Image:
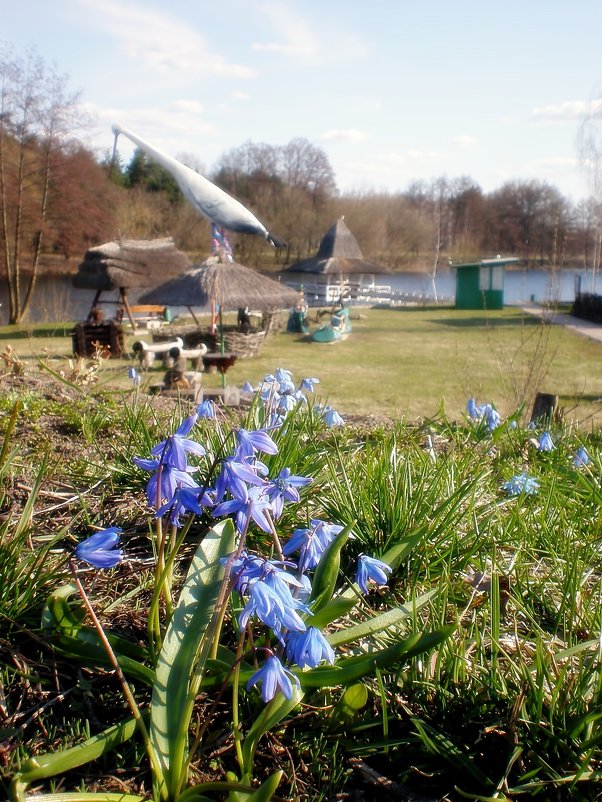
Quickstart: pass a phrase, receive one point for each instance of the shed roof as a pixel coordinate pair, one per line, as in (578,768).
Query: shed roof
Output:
(498,260)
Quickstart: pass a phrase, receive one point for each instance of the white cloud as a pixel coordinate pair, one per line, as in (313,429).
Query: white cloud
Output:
(186,106)
(570,111)
(391,157)
(426,155)
(174,128)
(295,37)
(465,141)
(158,40)
(344,135)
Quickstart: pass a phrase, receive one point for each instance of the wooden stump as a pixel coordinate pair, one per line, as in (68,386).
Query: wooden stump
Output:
(545,407)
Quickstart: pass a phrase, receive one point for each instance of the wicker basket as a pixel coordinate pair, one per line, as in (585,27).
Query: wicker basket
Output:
(244,345)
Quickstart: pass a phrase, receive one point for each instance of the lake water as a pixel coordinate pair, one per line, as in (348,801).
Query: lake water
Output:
(57,299)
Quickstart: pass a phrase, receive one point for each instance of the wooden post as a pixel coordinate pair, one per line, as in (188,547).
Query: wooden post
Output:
(124,298)
(544,407)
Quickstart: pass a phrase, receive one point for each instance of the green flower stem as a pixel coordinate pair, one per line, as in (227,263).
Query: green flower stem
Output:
(224,594)
(235,719)
(275,538)
(164,583)
(202,729)
(127,691)
(154,612)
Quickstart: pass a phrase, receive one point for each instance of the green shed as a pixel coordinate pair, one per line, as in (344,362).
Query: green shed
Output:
(480,285)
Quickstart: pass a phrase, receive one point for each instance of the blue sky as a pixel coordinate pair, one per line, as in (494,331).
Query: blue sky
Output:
(392,91)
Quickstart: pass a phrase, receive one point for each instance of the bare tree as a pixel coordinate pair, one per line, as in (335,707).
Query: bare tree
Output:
(289,185)
(36,117)
(589,146)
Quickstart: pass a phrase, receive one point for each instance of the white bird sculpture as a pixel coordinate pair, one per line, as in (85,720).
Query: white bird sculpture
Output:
(207,198)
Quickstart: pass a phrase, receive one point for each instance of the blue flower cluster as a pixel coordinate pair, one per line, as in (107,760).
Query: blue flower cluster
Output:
(280,396)
(275,591)
(521,483)
(487,415)
(483,413)
(278,599)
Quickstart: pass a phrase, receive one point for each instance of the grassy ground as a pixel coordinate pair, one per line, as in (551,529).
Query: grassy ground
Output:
(406,362)
(506,706)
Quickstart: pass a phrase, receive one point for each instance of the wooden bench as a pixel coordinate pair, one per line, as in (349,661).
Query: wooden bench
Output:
(150,315)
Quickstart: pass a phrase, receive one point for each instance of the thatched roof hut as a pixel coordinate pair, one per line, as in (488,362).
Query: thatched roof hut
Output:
(338,254)
(130,264)
(229,284)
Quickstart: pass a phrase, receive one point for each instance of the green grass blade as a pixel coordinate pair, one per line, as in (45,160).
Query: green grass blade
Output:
(42,767)
(390,618)
(350,669)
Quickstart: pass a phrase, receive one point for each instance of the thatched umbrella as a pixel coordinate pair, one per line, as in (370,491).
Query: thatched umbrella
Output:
(227,284)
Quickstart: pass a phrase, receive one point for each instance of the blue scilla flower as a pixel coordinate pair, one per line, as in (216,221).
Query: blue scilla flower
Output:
(185,499)
(247,392)
(271,609)
(285,404)
(174,448)
(249,442)
(284,488)
(284,381)
(206,409)
(545,442)
(245,569)
(274,677)
(581,458)
(331,417)
(491,417)
(100,549)
(161,491)
(369,569)
(275,575)
(255,507)
(278,393)
(308,545)
(309,648)
(311,543)
(521,483)
(234,477)
(307,384)
(471,408)
(325,531)
(485,413)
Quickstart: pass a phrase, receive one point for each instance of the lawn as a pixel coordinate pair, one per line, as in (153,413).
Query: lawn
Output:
(407,362)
